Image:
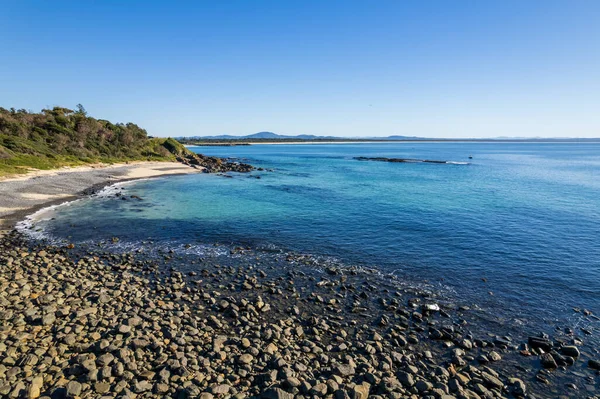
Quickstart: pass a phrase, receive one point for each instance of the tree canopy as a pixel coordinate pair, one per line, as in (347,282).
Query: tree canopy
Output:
(61,136)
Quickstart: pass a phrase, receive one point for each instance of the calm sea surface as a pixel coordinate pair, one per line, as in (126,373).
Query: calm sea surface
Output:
(516,231)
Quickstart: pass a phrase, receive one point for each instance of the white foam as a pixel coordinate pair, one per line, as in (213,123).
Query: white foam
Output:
(27,226)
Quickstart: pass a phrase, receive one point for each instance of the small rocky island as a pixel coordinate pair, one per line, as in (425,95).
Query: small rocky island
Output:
(403,160)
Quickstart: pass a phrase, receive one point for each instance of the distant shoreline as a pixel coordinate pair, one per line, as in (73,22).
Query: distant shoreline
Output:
(217,143)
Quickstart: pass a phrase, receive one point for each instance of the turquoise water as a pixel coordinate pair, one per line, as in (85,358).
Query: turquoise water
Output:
(516,231)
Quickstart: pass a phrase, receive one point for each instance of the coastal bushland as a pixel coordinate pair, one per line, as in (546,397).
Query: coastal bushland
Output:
(64,137)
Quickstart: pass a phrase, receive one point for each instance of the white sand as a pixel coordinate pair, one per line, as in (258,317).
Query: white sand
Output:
(38,196)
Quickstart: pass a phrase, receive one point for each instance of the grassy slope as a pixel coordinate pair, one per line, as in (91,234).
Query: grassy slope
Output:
(12,162)
(60,137)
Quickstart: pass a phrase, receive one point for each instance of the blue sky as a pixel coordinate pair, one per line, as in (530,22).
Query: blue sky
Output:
(345,68)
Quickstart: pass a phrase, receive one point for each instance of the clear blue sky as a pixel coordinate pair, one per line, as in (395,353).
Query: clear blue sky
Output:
(477,68)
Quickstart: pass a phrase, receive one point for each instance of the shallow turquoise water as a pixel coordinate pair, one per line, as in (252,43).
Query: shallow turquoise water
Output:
(525,217)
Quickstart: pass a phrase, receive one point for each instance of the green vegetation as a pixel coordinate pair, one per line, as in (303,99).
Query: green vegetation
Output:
(63,137)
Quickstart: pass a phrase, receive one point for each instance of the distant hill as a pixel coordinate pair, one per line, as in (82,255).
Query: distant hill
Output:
(275,136)
(266,137)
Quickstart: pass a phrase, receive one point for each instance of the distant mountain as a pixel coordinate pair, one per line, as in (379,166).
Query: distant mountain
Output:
(263,135)
(275,136)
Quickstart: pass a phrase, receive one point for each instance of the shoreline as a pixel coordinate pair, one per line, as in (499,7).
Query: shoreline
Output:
(281,330)
(26,194)
(34,173)
(350,334)
(433,141)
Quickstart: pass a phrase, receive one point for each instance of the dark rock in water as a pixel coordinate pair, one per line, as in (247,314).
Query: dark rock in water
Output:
(517,387)
(399,160)
(570,350)
(494,356)
(502,342)
(561,360)
(548,361)
(594,364)
(430,307)
(542,343)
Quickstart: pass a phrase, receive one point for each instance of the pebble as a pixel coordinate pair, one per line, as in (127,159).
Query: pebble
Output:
(74,388)
(103,326)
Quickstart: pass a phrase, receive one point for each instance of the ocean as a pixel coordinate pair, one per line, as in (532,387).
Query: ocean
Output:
(510,229)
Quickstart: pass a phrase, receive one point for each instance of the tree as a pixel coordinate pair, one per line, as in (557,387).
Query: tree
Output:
(80,110)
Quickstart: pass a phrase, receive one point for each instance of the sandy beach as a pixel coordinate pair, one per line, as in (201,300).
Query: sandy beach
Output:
(23,194)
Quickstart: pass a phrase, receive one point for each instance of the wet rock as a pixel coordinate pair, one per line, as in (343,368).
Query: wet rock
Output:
(542,343)
(517,387)
(594,364)
(571,350)
(431,307)
(548,361)
(466,344)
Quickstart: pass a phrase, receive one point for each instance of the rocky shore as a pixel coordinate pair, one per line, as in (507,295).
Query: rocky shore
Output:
(81,323)
(213,164)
